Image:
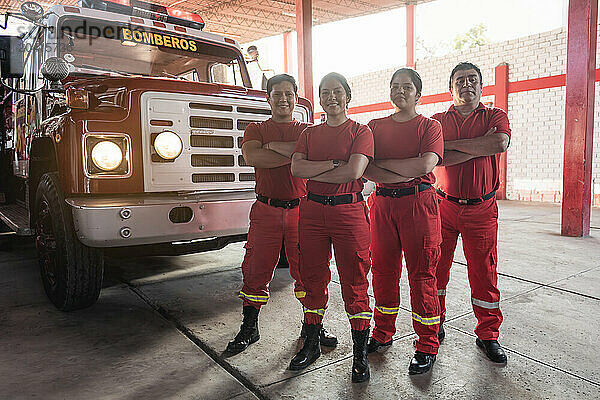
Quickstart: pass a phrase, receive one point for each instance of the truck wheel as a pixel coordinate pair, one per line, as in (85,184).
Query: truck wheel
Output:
(71,272)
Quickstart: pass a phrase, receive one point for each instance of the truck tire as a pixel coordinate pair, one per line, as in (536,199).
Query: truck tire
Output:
(71,272)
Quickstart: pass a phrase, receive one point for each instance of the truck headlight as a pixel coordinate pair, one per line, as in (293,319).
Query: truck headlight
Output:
(168,145)
(106,155)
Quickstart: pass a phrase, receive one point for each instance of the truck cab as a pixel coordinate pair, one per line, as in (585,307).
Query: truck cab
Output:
(123,135)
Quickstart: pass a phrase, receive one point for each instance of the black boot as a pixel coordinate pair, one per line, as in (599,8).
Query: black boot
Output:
(375,345)
(248,333)
(360,362)
(492,350)
(326,338)
(311,349)
(441,333)
(421,363)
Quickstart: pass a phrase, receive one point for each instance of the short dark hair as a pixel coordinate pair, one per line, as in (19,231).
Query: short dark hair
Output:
(250,48)
(341,79)
(414,77)
(274,80)
(462,66)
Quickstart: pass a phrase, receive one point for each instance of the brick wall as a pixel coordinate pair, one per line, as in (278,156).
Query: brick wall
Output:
(535,156)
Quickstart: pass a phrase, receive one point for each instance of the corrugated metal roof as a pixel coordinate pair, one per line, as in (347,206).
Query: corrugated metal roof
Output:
(248,20)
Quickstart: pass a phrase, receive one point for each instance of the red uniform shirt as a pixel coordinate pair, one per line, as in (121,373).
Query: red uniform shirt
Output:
(324,142)
(399,140)
(478,176)
(276,183)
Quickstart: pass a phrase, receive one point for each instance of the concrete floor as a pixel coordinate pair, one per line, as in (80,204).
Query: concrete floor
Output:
(162,323)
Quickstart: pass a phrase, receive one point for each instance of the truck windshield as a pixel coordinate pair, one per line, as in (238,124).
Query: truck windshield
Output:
(103,47)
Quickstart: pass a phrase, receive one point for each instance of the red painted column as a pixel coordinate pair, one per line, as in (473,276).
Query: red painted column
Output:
(287,52)
(501,101)
(304,32)
(410,35)
(579,117)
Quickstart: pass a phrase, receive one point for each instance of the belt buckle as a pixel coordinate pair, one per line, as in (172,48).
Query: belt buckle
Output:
(394,193)
(287,205)
(462,201)
(329,201)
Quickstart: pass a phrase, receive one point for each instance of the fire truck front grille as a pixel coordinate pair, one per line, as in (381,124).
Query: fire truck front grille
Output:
(199,178)
(207,106)
(213,123)
(246,177)
(211,129)
(211,141)
(243,123)
(208,160)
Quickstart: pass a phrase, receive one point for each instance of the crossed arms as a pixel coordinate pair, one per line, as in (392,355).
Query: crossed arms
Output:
(270,155)
(401,170)
(461,150)
(324,171)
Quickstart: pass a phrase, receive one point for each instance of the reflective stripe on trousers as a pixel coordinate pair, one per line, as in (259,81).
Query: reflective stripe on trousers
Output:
(249,297)
(388,310)
(424,320)
(319,311)
(485,304)
(363,315)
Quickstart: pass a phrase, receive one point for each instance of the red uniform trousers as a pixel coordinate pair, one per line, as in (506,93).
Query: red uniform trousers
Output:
(409,224)
(269,226)
(478,226)
(346,226)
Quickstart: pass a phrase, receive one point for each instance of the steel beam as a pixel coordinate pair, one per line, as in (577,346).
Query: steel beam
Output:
(287,53)
(501,101)
(579,117)
(410,35)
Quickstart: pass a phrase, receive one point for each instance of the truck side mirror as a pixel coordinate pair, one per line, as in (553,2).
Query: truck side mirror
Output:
(12,63)
(32,11)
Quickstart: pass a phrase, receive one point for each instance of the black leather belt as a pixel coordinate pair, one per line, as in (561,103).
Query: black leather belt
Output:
(336,200)
(466,201)
(379,191)
(287,204)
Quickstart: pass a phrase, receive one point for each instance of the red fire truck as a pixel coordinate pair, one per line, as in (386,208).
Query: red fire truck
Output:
(121,130)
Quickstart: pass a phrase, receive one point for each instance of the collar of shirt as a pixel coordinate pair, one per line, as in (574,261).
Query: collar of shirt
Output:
(480,107)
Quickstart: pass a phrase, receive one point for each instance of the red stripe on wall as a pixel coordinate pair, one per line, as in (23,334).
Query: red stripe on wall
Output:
(536,84)
(371,107)
(435,98)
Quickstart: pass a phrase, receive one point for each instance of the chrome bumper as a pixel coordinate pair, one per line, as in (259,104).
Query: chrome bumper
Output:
(144,219)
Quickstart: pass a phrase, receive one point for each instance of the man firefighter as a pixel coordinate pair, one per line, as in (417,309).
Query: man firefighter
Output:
(474,137)
(267,146)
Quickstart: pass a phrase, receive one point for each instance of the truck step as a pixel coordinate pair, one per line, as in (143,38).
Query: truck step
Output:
(16,218)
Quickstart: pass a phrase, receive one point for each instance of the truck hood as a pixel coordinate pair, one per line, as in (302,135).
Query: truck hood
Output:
(99,84)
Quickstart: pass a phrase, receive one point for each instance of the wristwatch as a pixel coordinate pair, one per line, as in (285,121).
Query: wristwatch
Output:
(336,163)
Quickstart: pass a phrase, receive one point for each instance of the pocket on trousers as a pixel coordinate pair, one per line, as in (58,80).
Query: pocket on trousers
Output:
(363,265)
(248,263)
(494,258)
(301,267)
